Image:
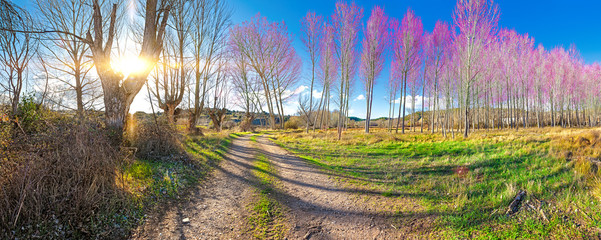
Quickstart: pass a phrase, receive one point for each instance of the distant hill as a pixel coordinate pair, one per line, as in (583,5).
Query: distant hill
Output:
(356,119)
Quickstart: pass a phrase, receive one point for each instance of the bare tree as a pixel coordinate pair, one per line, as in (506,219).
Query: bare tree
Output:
(210,23)
(173,71)
(11,16)
(312,28)
(220,93)
(16,51)
(119,91)
(286,75)
(246,87)
(65,54)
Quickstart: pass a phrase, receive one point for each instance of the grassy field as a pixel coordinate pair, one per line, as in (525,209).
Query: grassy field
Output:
(463,187)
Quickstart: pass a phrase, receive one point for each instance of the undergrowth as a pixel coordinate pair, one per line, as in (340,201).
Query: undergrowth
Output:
(61,177)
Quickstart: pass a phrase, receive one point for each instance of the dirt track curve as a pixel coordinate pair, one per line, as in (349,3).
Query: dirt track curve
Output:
(316,206)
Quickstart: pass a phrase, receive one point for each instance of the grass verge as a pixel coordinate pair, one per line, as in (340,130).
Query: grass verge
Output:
(266,220)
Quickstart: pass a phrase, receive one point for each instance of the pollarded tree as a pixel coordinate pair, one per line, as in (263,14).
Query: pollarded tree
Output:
(346,21)
(173,71)
(220,95)
(476,21)
(312,28)
(374,44)
(406,49)
(209,30)
(119,91)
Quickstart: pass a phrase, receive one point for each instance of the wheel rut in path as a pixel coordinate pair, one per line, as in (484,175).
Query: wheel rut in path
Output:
(215,209)
(318,207)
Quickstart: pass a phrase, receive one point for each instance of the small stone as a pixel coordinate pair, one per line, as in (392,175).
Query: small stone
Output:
(186,220)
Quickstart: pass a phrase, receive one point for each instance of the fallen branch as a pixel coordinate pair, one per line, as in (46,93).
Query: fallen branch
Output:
(514,207)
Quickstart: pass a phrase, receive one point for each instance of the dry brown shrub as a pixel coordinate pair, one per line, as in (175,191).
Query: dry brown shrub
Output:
(155,140)
(59,177)
(293,123)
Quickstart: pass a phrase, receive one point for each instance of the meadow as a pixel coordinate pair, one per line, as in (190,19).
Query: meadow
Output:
(461,188)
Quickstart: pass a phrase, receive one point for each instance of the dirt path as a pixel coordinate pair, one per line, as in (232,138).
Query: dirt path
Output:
(216,208)
(316,206)
(319,208)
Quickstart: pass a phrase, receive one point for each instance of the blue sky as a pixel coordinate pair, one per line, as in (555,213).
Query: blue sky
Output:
(552,23)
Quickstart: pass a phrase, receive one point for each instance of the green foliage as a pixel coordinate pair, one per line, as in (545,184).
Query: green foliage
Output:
(28,114)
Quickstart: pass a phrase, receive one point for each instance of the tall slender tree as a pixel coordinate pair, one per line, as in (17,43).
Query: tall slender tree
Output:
(476,21)
(374,44)
(406,49)
(346,21)
(312,28)
(328,67)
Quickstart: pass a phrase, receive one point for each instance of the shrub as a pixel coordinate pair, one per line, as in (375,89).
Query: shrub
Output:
(293,123)
(62,173)
(155,140)
(28,115)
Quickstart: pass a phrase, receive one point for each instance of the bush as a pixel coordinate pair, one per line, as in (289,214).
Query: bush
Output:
(293,123)
(155,140)
(62,173)
(28,115)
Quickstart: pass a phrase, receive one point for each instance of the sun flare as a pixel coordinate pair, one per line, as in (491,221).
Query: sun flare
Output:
(129,64)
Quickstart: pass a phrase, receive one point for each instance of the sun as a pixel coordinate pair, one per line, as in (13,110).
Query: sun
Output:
(129,65)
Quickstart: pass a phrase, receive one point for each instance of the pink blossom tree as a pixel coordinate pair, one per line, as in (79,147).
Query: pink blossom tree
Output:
(406,50)
(476,21)
(393,89)
(438,52)
(346,21)
(267,48)
(374,44)
(312,28)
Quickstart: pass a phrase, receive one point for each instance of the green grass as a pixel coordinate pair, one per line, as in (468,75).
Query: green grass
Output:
(426,170)
(266,218)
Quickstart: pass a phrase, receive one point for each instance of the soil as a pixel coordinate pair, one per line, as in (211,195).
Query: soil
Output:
(215,209)
(316,205)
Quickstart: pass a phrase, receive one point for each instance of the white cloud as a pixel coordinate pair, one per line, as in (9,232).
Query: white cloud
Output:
(418,102)
(317,94)
(300,89)
(359,98)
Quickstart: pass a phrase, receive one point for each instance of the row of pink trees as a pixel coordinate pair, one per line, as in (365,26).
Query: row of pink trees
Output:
(470,74)
(476,75)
